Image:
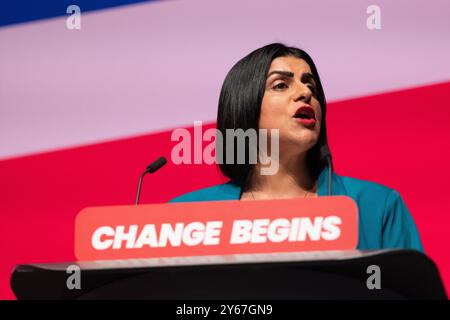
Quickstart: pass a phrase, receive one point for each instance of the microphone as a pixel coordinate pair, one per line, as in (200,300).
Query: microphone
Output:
(325,151)
(151,168)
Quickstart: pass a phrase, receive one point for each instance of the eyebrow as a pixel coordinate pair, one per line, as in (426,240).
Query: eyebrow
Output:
(283,73)
(307,76)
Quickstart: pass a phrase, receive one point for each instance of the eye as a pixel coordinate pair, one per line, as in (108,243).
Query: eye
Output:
(280,86)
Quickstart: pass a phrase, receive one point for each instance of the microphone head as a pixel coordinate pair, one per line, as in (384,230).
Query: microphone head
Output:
(156,165)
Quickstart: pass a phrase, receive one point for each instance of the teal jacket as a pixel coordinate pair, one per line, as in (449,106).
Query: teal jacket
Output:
(384,219)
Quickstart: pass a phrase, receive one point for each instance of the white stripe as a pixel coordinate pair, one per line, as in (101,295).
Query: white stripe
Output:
(148,67)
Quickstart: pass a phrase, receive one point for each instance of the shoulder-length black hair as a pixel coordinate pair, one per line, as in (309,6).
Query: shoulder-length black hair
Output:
(240,106)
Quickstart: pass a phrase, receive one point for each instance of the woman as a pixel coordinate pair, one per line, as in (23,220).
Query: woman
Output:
(278,87)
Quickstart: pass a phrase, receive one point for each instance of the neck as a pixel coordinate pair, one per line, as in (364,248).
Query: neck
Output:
(293,179)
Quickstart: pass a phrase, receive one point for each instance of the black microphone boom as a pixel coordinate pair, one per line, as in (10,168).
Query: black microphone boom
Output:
(151,168)
(325,151)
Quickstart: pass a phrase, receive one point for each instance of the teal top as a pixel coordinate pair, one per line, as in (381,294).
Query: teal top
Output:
(384,219)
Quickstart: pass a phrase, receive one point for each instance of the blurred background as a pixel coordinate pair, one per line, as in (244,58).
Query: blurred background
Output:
(83,111)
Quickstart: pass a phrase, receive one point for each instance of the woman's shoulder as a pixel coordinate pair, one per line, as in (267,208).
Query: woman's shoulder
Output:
(385,219)
(356,187)
(373,194)
(224,191)
(375,200)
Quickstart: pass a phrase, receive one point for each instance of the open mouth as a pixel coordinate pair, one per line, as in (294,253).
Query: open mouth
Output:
(305,112)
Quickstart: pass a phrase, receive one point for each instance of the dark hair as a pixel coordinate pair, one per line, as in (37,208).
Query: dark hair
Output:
(240,105)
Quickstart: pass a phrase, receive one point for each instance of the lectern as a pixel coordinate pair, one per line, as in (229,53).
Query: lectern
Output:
(403,274)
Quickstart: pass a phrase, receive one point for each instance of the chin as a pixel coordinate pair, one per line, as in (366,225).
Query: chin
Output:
(307,137)
(305,141)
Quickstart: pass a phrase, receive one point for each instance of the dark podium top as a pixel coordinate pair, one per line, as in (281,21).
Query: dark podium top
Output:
(404,274)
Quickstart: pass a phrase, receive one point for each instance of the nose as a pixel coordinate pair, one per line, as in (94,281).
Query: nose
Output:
(302,93)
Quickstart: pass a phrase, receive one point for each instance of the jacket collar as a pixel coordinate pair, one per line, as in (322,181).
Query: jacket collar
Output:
(338,187)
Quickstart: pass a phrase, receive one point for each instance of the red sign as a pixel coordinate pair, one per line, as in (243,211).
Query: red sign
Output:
(216,228)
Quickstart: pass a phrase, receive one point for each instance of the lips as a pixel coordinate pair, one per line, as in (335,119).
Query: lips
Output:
(305,112)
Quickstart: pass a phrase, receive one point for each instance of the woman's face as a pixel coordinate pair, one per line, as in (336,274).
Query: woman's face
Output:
(290,104)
